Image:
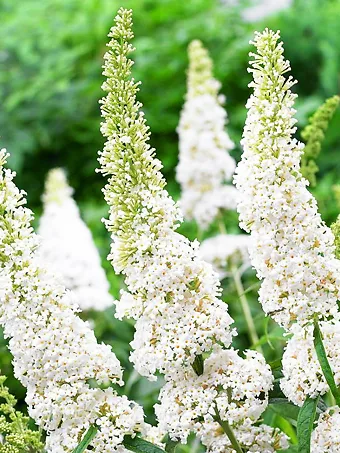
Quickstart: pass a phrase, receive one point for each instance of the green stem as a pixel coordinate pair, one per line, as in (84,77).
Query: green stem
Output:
(134,376)
(324,363)
(246,309)
(221,224)
(228,431)
(195,447)
(199,234)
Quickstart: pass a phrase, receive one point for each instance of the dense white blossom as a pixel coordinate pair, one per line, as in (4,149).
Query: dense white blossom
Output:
(154,434)
(55,353)
(182,326)
(300,366)
(292,248)
(204,162)
(252,438)
(172,293)
(326,436)
(226,252)
(237,387)
(68,248)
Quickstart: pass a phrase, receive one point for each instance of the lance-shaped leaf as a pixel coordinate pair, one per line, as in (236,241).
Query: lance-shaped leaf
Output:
(139,445)
(305,424)
(86,440)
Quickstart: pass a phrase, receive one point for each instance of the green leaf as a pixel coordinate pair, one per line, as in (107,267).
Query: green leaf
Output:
(198,365)
(291,449)
(305,424)
(323,360)
(284,408)
(139,445)
(171,445)
(88,436)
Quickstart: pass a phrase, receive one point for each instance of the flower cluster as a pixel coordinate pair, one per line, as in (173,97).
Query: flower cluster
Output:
(232,388)
(326,436)
(226,252)
(171,292)
(253,438)
(301,369)
(292,248)
(55,353)
(67,246)
(204,162)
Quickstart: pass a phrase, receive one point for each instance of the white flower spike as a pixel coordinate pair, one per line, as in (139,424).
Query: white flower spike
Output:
(205,165)
(173,294)
(67,246)
(292,249)
(55,353)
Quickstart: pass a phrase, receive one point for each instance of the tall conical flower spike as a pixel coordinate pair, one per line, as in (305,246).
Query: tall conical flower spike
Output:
(173,294)
(68,248)
(293,249)
(55,353)
(205,165)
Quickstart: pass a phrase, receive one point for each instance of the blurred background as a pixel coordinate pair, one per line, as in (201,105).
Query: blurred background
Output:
(50,82)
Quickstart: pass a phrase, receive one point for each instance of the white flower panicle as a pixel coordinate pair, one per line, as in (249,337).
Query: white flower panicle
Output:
(326,436)
(55,354)
(226,252)
(173,294)
(292,248)
(302,372)
(205,165)
(237,387)
(68,248)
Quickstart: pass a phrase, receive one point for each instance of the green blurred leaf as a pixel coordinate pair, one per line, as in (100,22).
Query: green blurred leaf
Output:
(284,408)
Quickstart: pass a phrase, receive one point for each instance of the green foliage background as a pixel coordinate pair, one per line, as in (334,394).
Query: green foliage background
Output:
(50,76)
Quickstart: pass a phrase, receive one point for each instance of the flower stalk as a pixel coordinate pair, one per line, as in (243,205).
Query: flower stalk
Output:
(228,431)
(251,328)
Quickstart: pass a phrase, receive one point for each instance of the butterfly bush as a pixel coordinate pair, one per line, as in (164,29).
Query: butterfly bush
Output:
(171,293)
(67,245)
(55,353)
(205,165)
(292,248)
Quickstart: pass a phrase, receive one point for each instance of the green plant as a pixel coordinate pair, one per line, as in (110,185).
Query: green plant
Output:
(17,436)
